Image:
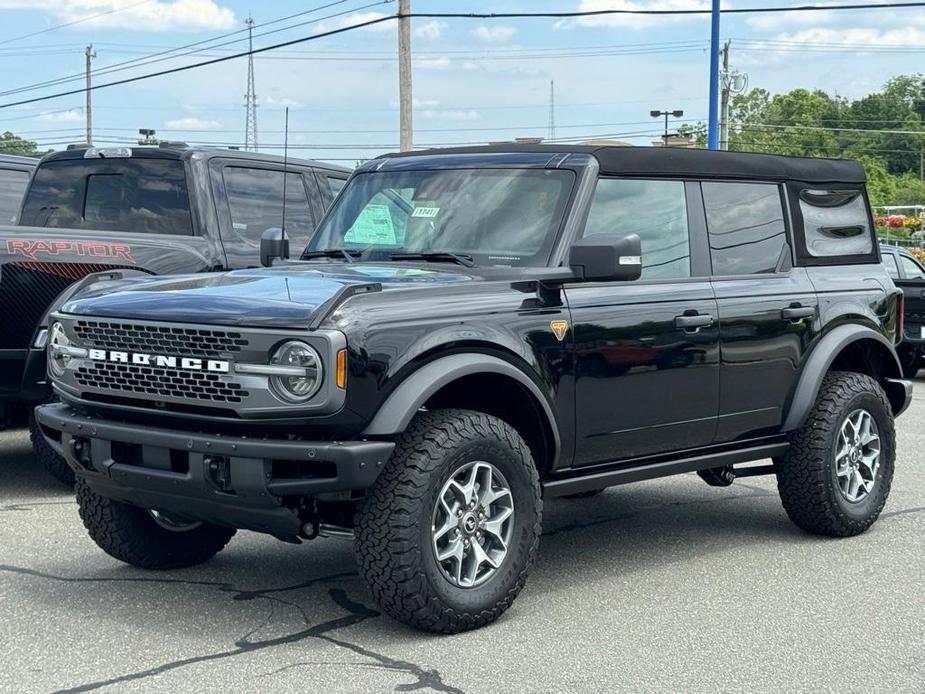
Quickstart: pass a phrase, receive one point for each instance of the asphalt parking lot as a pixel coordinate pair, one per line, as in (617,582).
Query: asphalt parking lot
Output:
(662,586)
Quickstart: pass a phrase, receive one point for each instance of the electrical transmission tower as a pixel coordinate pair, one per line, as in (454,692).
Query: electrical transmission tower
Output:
(250,99)
(552,111)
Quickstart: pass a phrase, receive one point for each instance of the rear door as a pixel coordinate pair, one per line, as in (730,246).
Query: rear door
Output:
(767,308)
(249,200)
(646,352)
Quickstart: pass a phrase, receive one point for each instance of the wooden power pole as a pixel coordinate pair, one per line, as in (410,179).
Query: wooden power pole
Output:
(90,55)
(404,75)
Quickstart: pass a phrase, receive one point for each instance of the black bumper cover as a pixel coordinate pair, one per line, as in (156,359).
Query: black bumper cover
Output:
(170,470)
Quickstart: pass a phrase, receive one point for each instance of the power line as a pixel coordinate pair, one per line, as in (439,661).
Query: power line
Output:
(115,10)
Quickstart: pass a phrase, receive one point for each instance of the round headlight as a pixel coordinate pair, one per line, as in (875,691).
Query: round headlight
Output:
(305,380)
(57,358)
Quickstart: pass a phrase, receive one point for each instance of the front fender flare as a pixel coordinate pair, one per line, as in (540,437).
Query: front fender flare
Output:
(820,361)
(399,408)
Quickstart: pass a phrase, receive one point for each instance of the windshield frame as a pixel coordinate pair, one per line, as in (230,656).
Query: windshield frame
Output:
(547,250)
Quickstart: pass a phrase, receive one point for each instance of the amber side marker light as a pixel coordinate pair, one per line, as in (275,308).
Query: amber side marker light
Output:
(341,371)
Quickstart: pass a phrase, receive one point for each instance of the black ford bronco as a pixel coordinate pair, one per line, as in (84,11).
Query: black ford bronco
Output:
(160,210)
(471,331)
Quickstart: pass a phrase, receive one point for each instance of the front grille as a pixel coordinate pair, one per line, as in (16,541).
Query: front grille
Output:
(159,339)
(151,380)
(27,289)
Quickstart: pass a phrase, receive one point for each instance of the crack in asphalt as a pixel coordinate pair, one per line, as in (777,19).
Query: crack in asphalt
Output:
(30,506)
(903,511)
(357,612)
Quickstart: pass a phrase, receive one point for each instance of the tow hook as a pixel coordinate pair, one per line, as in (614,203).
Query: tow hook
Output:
(718,476)
(218,472)
(81,449)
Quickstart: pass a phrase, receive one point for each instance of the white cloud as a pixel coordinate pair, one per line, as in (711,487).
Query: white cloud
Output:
(437,63)
(284,102)
(156,15)
(857,37)
(191,123)
(431,30)
(783,20)
(354,19)
(634,21)
(75,115)
(451,114)
(493,34)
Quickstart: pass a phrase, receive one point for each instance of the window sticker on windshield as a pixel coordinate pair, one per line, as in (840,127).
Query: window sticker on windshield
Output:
(239,226)
(426,212)
(372,226)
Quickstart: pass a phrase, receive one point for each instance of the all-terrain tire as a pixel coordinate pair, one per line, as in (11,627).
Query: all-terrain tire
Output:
(393,540)
(53,463)
(806,476)
(130,534)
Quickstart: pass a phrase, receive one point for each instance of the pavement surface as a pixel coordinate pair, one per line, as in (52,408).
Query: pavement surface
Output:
(668,585)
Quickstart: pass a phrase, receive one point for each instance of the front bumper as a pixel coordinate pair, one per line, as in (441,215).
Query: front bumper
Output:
(228,480)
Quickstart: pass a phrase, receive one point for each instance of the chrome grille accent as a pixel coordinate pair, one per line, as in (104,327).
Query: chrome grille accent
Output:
(150,380)
(159,339)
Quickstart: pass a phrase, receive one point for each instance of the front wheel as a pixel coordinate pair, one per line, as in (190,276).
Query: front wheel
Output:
(447,535)
(148,539)
(836,476)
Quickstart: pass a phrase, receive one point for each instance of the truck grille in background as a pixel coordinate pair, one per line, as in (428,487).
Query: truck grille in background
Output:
(28,289)
(151,339)
(150,380)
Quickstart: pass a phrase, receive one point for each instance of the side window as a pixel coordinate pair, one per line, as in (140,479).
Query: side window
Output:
(835,223)
(255,200)
(12,186)
(335,184)
(746,227)
(911,268)
(889,262)
(656,211)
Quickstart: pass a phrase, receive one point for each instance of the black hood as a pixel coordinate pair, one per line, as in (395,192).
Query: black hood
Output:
(284,296)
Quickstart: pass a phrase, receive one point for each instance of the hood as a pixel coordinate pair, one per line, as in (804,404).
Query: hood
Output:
(284,296)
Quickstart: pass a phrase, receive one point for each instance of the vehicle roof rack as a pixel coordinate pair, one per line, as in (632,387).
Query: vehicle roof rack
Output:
(78,145)
(164,144)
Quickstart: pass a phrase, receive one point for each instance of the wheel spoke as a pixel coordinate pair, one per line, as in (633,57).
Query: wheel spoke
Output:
(448,525)
(453,550)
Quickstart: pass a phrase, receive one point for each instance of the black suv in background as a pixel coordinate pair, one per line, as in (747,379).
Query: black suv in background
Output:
(156,210)
(471,331)
(909,275)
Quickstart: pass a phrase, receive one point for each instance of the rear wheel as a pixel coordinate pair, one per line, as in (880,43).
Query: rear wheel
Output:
(447,534)
(53,463)
(148,539)
(835,478)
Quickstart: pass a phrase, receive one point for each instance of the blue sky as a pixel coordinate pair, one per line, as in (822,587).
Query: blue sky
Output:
(474,81)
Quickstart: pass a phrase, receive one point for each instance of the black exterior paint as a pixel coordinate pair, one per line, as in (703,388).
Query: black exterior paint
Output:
(628,385)
(37,264)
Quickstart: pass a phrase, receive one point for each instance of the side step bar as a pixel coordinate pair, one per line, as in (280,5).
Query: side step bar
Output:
(577,482)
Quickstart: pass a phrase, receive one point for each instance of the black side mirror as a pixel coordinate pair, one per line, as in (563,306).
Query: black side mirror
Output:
(603,258)
(273,244)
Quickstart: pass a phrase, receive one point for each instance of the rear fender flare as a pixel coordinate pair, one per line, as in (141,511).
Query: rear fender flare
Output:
(820,361)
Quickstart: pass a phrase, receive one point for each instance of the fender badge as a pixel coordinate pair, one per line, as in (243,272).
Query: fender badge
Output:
(559,328)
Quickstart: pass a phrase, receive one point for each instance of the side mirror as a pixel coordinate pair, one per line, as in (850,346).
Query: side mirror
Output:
(603,258)
(273,244)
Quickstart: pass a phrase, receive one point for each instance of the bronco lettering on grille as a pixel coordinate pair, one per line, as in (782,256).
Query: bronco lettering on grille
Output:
(161,361)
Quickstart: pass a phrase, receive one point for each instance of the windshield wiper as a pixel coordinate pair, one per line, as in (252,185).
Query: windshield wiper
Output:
(346,253)
(436,257)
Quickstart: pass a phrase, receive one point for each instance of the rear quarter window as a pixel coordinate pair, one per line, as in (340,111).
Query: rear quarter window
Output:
(835,225)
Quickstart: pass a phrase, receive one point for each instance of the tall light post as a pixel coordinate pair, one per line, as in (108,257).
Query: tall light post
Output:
(659,114)
(713,130)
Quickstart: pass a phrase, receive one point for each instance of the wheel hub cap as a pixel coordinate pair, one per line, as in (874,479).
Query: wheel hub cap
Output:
(473,522)
(857,456)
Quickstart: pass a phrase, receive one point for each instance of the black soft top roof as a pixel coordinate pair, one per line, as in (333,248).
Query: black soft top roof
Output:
(677,161)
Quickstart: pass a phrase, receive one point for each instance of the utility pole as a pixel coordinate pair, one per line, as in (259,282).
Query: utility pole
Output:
(724,101)
(90,55)
(404,76)
(713,128)
(552,111)
(250,99)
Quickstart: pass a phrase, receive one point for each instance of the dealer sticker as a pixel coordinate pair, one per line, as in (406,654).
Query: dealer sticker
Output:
(426,212)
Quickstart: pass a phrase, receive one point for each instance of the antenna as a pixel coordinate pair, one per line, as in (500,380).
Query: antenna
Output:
(250,99)
(285,169)
(552,111)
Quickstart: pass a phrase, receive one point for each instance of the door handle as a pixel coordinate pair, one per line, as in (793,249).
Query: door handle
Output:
(693,322)
(798,313)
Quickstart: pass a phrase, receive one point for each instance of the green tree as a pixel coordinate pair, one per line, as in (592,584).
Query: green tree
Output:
(13,144)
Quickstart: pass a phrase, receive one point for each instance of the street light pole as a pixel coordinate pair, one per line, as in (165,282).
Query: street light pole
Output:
(713,139)
(658,114)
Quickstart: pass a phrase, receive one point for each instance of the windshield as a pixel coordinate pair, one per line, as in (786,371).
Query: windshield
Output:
(495,216)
